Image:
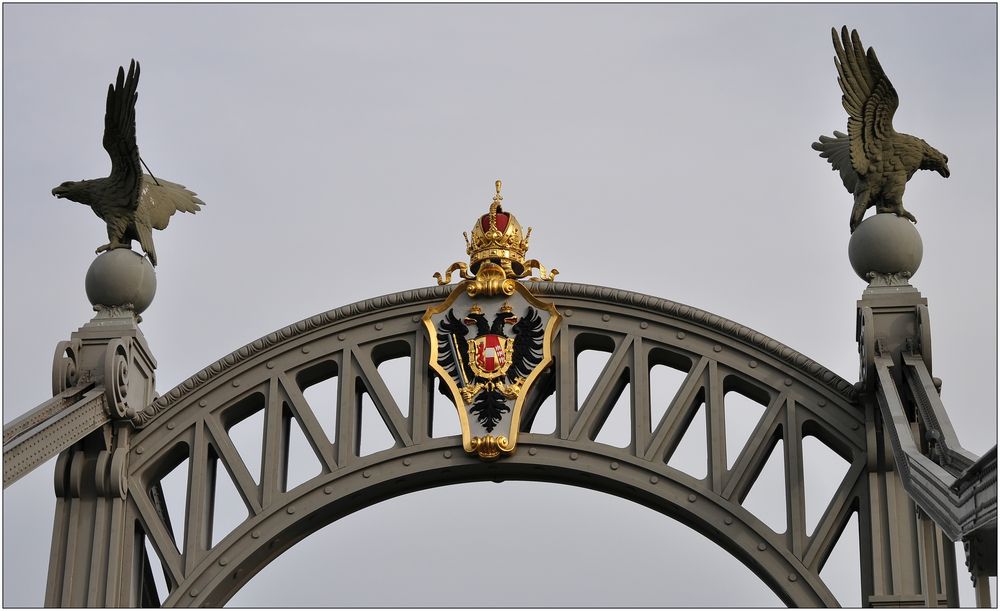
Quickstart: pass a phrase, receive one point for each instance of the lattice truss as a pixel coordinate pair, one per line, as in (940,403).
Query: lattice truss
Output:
(695,416)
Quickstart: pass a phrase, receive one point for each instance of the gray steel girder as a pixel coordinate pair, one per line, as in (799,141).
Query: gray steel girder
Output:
(191,423)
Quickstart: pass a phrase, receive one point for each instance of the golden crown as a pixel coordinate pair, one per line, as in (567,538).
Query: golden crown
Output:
(497,237)
(497,249)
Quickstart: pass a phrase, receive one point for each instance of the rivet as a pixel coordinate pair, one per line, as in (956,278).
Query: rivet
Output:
(171,426)
(573,456)
(202,403)
(366,474)
(223,561)
(614,466)
(305,350)
(822,402)
(855,426)
(291,509)
(415,318)
(606,317)
(788,381)
(236,383)
(139,450)
(792,577)
(195,592)
(717,348)
(692,498)
(532,451)
(378,326)
(653,479)
(269,364)
(328,490)
(681,335)
(753,364)
(340,336)
(255,534)
(727,521)
(761,547)
(643,325)
(406,462)
(447,453)
(568,312)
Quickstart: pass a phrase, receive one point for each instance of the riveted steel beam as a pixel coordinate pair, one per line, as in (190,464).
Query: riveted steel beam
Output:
(349,343)
(50,428)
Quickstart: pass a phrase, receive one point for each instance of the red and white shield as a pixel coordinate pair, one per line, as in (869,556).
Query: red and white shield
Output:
(490,356)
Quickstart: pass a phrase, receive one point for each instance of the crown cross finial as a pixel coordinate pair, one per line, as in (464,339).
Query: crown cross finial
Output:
(495,206)
(496,244)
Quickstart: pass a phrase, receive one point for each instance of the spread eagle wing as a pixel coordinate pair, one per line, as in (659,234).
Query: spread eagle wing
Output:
(163,198)
(869,99)
(837,151)
(119,140)
(528,334)
(451,340)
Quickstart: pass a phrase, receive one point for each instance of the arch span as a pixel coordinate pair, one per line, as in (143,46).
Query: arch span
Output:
(192,422)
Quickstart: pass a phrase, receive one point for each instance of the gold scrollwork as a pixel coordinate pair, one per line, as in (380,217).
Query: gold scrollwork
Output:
(509,391)
(491,279)
(458,265)
(490,447)
(543,275)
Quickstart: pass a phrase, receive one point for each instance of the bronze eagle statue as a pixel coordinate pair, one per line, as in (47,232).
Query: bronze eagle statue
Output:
(874,160)
(130,202)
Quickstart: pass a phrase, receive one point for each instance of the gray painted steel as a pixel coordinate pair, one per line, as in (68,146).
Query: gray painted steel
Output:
(109,498)
(638,330)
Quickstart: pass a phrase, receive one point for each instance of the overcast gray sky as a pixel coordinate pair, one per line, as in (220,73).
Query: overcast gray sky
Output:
(343,149)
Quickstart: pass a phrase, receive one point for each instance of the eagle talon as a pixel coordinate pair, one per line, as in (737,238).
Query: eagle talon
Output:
(112,246)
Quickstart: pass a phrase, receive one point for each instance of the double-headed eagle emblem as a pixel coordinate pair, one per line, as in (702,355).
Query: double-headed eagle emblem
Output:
(492,366)
(491,337)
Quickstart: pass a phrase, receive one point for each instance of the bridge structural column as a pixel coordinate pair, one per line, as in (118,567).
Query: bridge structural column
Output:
(906,559)
(93,560)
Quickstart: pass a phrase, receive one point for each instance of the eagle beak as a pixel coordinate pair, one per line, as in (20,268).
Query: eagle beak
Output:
(60,191)
(944,171)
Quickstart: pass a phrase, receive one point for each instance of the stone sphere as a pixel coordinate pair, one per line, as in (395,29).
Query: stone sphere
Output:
(885,243)
(121,276)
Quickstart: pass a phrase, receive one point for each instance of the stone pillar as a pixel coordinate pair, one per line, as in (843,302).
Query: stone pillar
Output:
(93,555)
(908,562)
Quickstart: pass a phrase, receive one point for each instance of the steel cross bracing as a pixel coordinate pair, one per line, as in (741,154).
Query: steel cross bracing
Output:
(191,423)
(110,501)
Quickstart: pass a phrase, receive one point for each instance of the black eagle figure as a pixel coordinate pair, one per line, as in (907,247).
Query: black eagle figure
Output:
(874,160)
(528,334)
(130,202)
(489,404)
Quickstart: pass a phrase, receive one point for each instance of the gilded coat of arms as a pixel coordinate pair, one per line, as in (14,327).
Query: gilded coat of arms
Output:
(491,337)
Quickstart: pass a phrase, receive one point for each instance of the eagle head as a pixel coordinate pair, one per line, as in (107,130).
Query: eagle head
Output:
(934,159)
(75,190)
(65,189)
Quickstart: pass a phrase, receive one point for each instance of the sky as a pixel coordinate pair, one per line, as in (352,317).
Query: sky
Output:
(342,150)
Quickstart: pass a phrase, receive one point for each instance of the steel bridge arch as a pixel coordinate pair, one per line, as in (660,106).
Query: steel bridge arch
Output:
(191,422)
